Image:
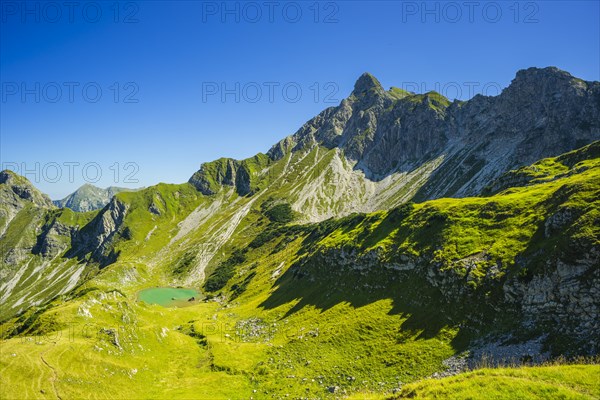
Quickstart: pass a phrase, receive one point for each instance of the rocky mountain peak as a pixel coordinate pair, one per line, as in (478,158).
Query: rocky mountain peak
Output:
(535,82)
(88,185)
(537,74)
(19,188)
(89,197)
(367,83)
(6,176)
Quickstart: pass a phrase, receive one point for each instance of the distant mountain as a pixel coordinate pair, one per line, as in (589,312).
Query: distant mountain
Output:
(89,197)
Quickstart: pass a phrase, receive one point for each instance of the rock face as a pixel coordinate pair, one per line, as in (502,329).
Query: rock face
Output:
(54,238)
(544,112)
(381,131)
(21,189)
(17,193)
(96,237)
(89,197)
(564,300)
(241,175)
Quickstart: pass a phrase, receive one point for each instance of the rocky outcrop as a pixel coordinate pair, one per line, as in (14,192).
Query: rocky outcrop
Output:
(562,299)
(54,238)
(96,237)
(543,113)
(212,176)
(376,129)
(565,299)
(16,189)
(243,181)
(242,175)
(17,194)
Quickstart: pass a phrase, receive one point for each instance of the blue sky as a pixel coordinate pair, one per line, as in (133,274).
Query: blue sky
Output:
(161,68)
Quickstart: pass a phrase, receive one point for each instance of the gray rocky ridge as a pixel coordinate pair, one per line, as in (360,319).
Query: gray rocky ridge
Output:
(543,112)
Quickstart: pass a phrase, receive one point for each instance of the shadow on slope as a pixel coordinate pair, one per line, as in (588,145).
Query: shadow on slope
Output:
(324,279)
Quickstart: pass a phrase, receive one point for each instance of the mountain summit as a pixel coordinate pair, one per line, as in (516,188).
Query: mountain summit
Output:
(367,83)
(21,190)
(89,197)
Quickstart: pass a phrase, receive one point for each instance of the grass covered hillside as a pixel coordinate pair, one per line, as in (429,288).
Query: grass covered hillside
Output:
(548,382)
(366,306)
(34,236)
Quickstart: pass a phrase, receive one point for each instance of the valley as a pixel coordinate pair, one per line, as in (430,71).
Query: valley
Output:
(395,240)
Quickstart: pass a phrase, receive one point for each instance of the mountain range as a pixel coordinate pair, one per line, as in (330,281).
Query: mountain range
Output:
(390,238)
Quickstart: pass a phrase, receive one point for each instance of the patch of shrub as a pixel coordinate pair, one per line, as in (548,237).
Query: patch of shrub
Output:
(127,234)
(224,271)
(280,213)
(238,289)
(262,238)
(400,213)
(184,263)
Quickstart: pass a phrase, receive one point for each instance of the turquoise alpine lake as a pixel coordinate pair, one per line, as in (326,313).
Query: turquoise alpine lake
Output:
(169,297)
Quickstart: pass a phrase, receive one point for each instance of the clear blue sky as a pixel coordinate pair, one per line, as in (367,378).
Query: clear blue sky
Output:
(170,55)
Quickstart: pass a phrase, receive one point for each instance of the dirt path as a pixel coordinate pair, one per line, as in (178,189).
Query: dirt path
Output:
(54,374)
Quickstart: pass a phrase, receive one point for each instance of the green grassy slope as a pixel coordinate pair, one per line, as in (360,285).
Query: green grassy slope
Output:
(548,382)
(33,235)
(355,306)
